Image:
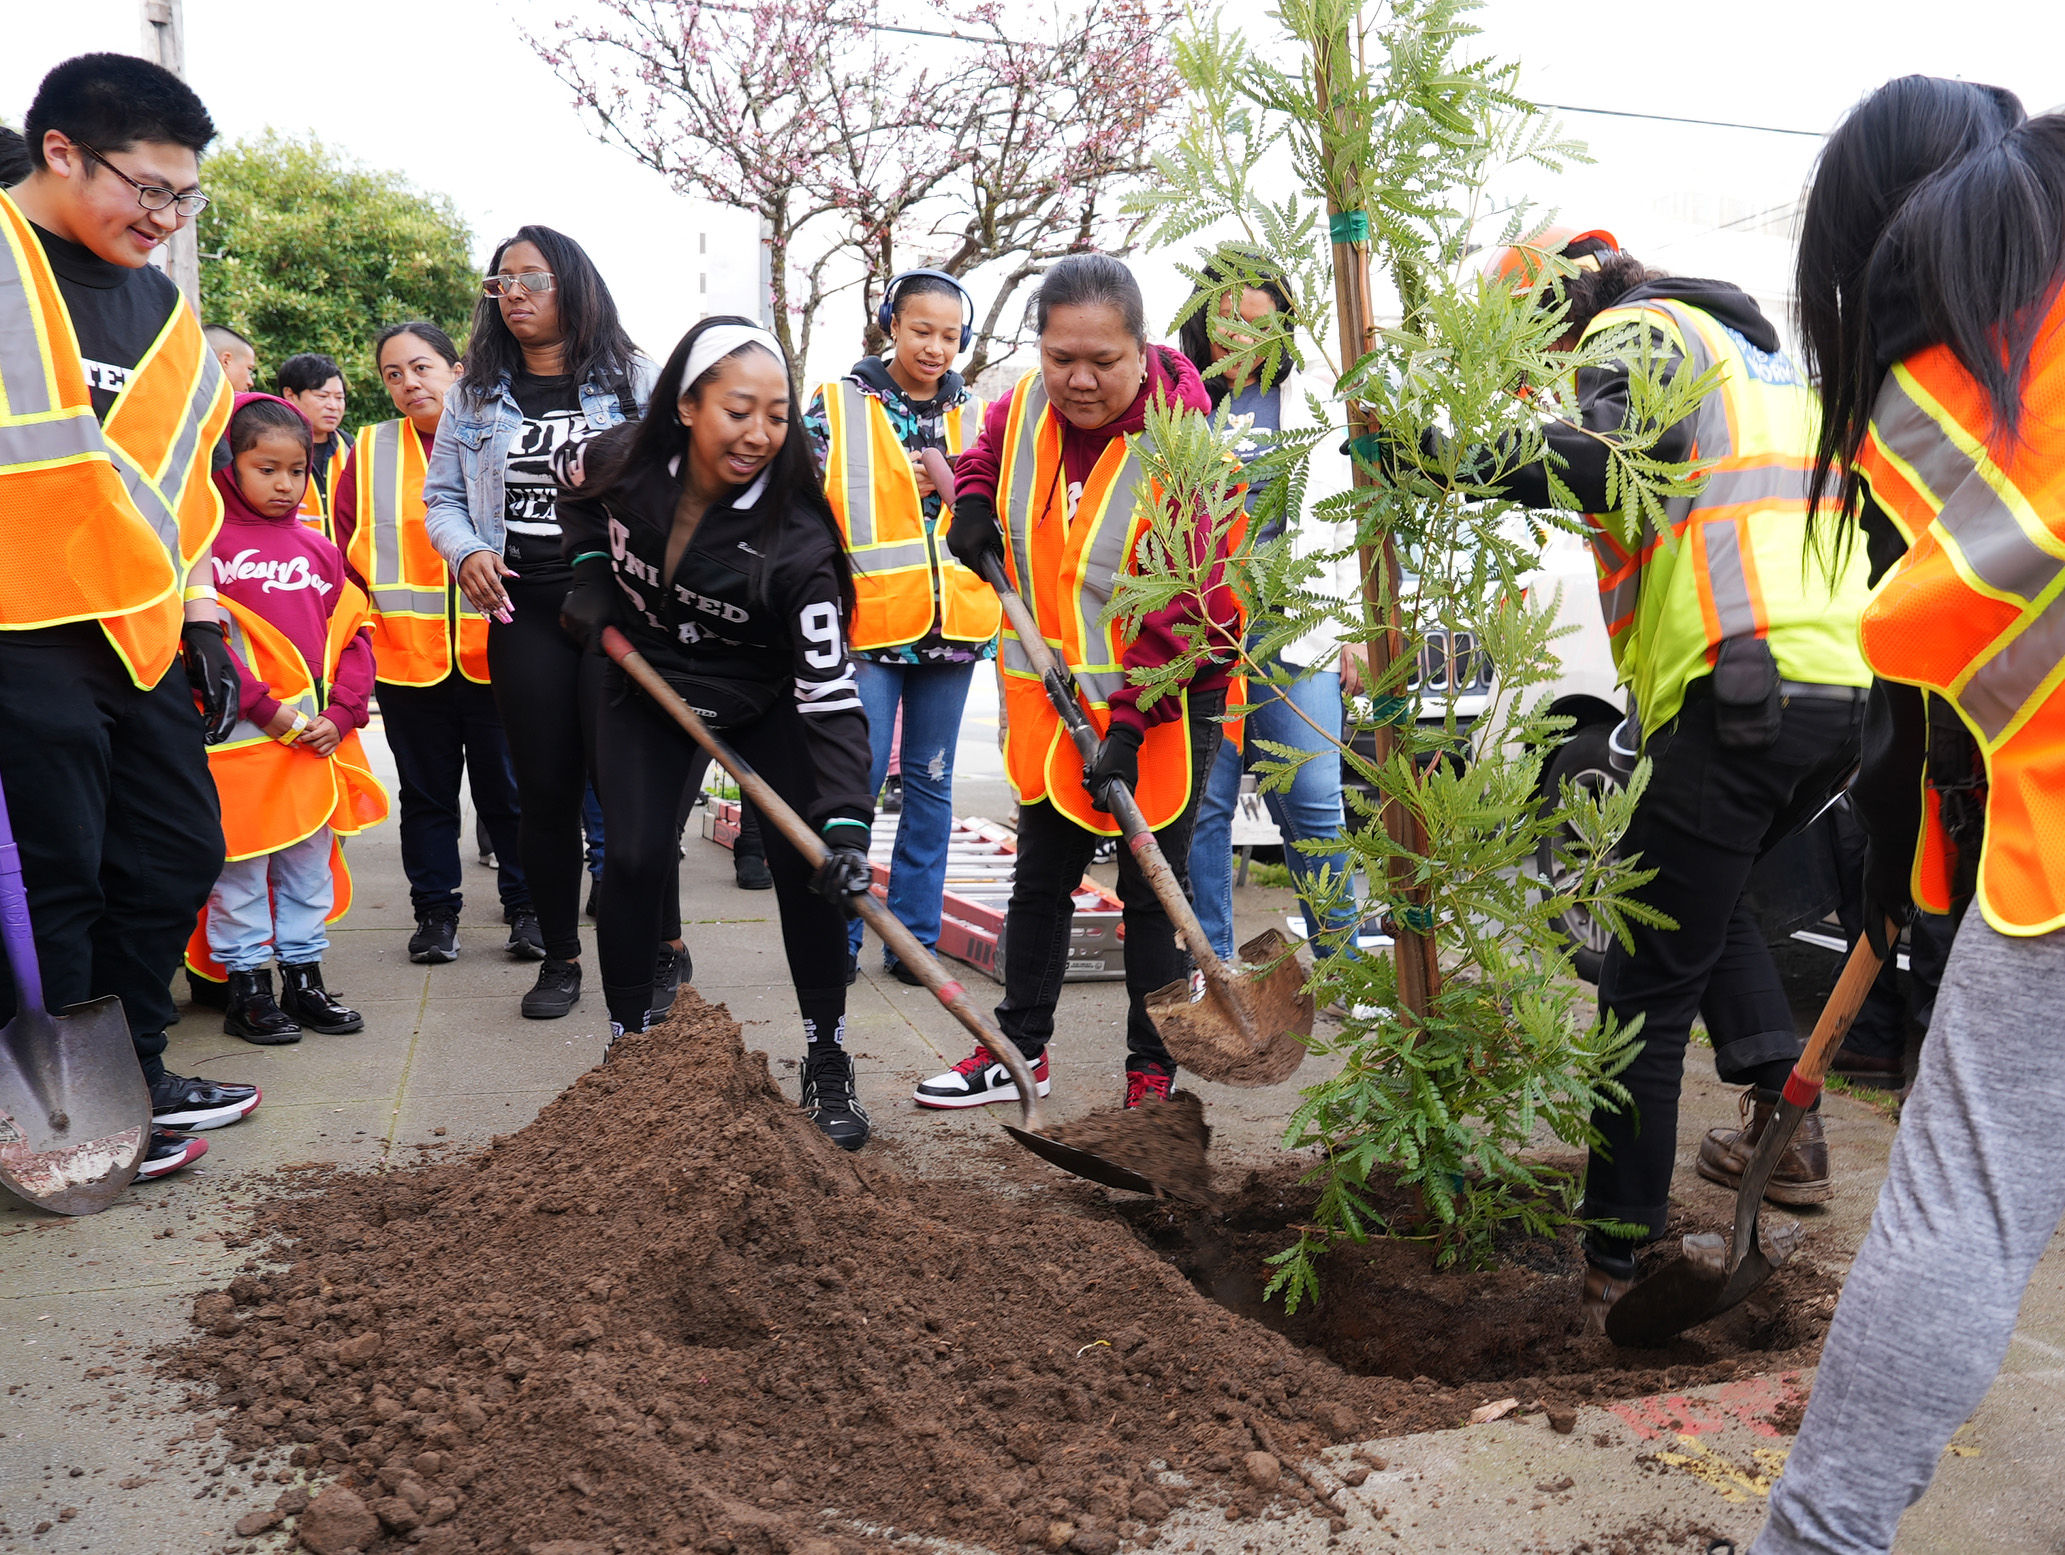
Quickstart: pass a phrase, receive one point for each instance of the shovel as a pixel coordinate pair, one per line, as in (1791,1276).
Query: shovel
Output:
(1249,1027)
(900,940)
(1710,1276)
(75,1115)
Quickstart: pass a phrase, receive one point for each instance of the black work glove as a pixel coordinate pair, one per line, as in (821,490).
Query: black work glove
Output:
(845,873)
(591,604)
(1118,761)
(1887,799)
(974,533)
(1888,894)
(204,649)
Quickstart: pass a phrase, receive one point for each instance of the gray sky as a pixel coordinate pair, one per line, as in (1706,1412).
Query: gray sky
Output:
(447,91)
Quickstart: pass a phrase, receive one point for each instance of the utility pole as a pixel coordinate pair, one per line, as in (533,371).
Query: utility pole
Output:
(164,43)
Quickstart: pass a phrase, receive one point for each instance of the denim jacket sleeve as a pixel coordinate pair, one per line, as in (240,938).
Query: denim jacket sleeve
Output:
(447,516)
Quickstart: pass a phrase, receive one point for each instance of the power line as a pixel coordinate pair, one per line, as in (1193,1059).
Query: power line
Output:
(1666,118)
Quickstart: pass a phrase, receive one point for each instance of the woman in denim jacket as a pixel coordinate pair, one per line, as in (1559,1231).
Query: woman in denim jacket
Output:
(549,366)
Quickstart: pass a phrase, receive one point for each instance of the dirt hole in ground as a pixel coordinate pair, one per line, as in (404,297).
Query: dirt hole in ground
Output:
(1385,1310)
(669,1314)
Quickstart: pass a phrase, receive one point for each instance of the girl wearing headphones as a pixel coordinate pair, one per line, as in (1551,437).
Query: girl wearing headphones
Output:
(921,621)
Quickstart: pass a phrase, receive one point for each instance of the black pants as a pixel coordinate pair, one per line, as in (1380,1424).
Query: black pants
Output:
(440,735)
(117,819)
(642,760)
(1053,852)
(536,669)
(1707,815)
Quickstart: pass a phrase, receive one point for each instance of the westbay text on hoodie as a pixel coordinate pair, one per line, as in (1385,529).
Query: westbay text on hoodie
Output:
(1171,376)
(291,577)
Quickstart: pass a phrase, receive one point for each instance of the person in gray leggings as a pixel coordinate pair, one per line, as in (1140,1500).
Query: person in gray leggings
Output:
(1931,262)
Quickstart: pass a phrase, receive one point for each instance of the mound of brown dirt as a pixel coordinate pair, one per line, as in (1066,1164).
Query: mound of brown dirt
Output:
(669,1313)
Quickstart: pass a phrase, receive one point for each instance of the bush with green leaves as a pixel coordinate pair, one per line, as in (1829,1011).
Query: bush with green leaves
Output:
(303,250)
(1361,132)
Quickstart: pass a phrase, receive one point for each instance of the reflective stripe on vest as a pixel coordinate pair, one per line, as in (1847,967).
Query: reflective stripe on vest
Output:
(1976,609)
(414,602)
(1739,567)
(100,522)
(275,795)
(319,502)
(905,582)
(1064,566)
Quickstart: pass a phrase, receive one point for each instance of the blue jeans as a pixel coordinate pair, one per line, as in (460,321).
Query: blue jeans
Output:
(933,696)
(1311,810)
(273,905)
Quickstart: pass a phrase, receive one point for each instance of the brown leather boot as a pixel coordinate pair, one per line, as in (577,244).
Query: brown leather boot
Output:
(1602,1289)
(1802,1173)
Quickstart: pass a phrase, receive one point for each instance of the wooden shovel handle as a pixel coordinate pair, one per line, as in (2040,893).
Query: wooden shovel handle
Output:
(1804,1084)
(946,989)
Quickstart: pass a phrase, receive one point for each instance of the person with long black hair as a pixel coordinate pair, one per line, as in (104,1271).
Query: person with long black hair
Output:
(1932,303)
(1305,713)
(704,535)
(548,367)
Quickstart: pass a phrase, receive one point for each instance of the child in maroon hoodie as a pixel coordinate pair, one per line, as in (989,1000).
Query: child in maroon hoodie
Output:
(277,889)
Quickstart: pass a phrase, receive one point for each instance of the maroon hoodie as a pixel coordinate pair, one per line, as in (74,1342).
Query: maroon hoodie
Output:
(289,576)
(1171,375)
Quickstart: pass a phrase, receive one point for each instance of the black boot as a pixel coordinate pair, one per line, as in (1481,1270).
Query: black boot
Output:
(303,997)
(252,1014)
(751,872)
(829,1100)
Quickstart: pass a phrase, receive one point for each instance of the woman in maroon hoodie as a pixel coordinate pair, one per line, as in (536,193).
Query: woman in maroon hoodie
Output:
(1054,487)
(291,775)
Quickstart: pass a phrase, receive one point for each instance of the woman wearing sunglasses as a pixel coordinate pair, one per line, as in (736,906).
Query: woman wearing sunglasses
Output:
(549,366)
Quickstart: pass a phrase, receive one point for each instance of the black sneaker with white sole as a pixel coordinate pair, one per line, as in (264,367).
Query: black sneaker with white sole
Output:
(526,942)
(978,1080)
(556,992)
(178,1102)
(829,1099)
(168,1152)
(436,939)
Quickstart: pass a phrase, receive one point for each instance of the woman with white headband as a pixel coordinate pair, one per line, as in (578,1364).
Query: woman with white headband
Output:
(703,534)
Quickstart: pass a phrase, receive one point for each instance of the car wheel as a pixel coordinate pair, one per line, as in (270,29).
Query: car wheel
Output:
(1582,762)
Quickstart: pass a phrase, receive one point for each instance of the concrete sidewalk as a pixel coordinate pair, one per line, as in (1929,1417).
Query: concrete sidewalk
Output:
(93,1445)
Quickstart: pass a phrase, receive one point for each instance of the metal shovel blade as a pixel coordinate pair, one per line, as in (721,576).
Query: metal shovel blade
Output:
(1248,1030)
(1080,1162)
(75,1115)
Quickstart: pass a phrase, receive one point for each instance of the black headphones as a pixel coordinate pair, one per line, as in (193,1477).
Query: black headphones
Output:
(886,311)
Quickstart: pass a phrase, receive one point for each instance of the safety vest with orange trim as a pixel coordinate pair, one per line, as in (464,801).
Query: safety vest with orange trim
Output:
(319,500)
(100,521)
(419,618)
(1739,564)
(275,795)
(904,580)
(1065,568)
(1975,612)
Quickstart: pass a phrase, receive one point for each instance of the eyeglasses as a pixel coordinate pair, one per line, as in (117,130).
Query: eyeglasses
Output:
(509,285)
(152,197)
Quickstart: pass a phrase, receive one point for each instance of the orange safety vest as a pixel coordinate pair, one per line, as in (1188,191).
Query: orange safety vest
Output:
(274,795)
(100,522)
(1975,611)
(318,502)
(1065,568)
(903,579)
(419,620)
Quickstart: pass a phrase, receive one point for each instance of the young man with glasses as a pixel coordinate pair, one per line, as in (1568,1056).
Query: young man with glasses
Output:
(314,385)
(109,634)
